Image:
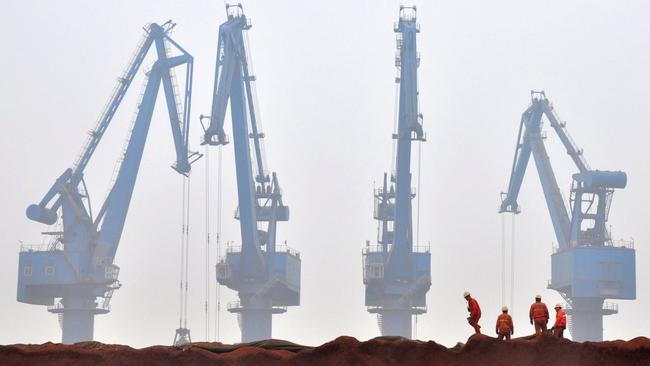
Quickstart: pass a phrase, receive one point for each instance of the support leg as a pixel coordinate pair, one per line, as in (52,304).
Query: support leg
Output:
(396,323)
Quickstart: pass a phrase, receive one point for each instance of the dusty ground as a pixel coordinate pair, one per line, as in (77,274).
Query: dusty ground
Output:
(344,351)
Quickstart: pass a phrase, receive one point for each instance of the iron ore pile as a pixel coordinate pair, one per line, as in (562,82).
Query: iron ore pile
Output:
(348,351)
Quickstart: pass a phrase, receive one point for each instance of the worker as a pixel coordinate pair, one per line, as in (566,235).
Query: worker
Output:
(474,312)
(560,321)
(539,315)
(504,326)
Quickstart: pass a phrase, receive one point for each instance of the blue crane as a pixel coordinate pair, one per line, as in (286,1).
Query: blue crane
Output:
(588,266)
(75,275)
(265,275)
(396,273)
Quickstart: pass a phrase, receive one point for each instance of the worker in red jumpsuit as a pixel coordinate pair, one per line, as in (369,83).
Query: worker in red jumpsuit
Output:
(474,312)
(504,326)
(539,315)
(560,321)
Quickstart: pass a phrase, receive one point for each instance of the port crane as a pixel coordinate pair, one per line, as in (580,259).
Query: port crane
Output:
(265,275)
(587,266)
(75,275)
(397,273)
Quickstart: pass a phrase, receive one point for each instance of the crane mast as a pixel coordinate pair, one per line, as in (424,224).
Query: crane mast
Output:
(265,275)
(588,266)
(396,273)
(75,275)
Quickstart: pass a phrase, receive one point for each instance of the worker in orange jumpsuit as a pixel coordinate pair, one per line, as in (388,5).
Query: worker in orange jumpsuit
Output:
(474,312)
(560,321)
(539,315)
(504,326)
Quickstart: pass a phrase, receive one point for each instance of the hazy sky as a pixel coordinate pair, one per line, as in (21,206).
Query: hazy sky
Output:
(326,94)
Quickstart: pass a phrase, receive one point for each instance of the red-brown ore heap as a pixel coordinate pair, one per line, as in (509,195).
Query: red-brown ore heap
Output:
(343,351)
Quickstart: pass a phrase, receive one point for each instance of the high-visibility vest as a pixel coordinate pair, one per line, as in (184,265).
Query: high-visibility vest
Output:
(474,309)
(539,311)
(560,319)
(504,323)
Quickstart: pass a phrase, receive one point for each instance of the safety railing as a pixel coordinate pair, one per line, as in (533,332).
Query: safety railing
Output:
(610,307)
(618,243)
(103,305)
(283,248)
(33,247)
(379,248)
(381,192)
(621,243)
(105,302)
(56,307)
(233,249)
(236,306)
(372,249)
(233,305)
(111,272)
(414,309)
(279,248)
(421,248)
(41,247)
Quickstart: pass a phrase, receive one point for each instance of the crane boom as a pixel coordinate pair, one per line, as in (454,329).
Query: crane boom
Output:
(75,271)
(560,128)
(123,84)
(531,140)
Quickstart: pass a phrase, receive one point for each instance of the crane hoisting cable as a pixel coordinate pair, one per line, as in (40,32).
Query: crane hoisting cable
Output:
(182,335)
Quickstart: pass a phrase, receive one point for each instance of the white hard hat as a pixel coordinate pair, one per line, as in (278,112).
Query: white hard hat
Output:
(558,306)
(538,297)
(504,308)
(466,293)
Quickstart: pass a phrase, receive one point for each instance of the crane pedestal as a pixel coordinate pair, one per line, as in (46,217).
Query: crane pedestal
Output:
(77,326)
(396,323)
(259,301)
(255,320)
(586,317)
(396,301)
(256,324)
(77,317)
